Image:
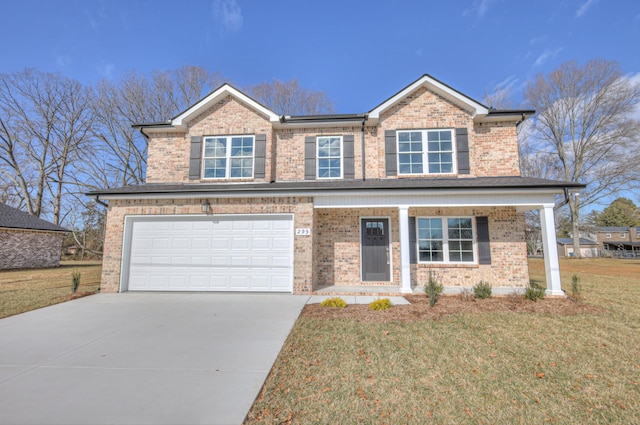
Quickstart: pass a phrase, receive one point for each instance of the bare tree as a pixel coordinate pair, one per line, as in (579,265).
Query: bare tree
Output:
(585,131)
(44,121)
(289,98)
(120,156)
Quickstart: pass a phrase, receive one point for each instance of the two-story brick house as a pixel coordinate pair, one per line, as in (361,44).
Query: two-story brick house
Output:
(240,199)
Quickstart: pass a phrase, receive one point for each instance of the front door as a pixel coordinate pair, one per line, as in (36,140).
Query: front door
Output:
(375,249)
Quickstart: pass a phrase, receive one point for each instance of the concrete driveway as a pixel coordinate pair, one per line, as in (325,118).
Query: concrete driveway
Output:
(138,358)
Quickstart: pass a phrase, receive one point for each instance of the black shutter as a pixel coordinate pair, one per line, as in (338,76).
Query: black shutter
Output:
(310,158)
(390,158)
(462,143)
(347,157)
(413,246)
(195,158)
(484,248)
(260,152)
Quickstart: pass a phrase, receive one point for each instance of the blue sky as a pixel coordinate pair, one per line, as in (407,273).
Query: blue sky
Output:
(358,52)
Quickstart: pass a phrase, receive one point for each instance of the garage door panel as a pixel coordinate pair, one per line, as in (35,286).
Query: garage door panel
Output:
(240,243)
(281,243)
(200,243)
(261,243)
(229,253)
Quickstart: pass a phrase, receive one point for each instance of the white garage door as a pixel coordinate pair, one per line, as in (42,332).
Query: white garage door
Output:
(212,253)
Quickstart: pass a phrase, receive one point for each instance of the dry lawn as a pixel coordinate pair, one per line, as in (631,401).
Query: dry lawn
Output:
(25,290)
(496,362)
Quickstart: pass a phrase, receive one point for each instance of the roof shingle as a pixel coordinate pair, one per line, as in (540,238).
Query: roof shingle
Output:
(12,218)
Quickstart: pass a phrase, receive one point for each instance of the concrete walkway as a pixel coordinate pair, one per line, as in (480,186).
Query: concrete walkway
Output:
(137,358)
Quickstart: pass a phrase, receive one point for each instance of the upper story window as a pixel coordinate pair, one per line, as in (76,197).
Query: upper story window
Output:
(425,152)
(445,240)
(329,157)
(228,157)
(608,236)
(623,235)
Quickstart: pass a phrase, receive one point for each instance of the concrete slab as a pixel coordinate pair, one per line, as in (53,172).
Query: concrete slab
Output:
(142,358)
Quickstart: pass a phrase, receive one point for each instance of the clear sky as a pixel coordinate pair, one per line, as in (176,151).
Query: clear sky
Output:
(358,52)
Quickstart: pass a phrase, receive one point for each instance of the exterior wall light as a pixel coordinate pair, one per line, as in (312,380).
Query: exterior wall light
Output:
(205,206)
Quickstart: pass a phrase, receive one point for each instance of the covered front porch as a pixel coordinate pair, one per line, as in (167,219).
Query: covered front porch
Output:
(498,255)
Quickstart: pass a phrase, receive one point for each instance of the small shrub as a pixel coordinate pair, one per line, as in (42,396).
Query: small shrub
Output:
(534,292)
(75,281)
(576,288)
(380,304)
(466,294)
(482,290)
(334,302)
(433,289)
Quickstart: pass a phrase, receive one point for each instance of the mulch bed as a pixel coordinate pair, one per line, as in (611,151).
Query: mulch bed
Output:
(450,305)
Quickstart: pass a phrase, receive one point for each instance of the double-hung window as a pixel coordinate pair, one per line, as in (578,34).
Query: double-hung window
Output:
(445,240)
(425,152)
(228,157)
(329,157)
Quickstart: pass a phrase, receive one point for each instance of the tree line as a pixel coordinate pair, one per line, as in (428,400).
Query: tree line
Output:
(60,138)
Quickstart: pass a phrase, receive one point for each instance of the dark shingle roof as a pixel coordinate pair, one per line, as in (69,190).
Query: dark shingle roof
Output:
(11,218)
(423,184)
(569,241)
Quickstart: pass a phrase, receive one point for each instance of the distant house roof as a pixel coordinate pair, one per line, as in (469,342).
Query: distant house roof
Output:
(569,241)
(614,229)
(12,218)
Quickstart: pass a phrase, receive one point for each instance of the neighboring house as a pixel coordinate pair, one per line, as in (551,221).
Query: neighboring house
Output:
(239,198)
(28,242)
(588,248)
(619,241)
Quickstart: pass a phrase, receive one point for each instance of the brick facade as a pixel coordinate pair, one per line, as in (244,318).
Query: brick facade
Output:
(331,255)
(301,208)
(29,249)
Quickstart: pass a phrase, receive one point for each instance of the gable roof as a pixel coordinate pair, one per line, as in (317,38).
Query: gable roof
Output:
(12,218)
(477,110)
(179,122)
(223,91)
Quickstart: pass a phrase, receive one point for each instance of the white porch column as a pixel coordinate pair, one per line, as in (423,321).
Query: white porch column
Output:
(405,255)
(550,246)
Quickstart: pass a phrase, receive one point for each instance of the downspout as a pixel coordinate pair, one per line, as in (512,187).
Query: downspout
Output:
(364,167)
(104,204)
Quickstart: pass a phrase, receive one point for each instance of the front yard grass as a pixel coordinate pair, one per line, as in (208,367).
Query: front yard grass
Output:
(471,368)
(25,290)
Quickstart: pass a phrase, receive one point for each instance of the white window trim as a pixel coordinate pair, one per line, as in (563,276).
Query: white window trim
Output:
(445,240)
(608,235)
(228,157)
(425,152)
(318,157)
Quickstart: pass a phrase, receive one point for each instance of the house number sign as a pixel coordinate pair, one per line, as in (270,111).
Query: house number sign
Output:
(302,231)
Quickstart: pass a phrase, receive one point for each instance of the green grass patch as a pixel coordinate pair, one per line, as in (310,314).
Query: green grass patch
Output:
(491,368)
(25,290)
